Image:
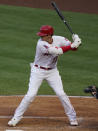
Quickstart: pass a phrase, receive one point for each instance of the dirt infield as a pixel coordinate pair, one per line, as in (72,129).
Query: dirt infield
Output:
(47,114)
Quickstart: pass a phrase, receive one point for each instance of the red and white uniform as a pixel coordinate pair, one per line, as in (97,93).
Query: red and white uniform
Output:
(43,58)
(45,68)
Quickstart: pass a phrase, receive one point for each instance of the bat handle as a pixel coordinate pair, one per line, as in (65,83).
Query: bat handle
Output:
(65,22)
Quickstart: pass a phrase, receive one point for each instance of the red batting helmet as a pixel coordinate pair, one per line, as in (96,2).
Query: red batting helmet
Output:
(46,30)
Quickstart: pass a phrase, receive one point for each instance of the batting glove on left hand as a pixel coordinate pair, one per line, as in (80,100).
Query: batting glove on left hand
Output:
(76,41)
(75,36)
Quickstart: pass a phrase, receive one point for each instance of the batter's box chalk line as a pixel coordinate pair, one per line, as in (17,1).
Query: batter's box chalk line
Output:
(45,96)
(13,130)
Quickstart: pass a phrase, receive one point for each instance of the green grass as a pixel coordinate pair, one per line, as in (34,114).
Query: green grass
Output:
(18,28)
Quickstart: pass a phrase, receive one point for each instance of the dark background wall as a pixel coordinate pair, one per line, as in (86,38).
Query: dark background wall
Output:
(85,6)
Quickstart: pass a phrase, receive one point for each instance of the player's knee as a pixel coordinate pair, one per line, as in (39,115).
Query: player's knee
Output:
(60,93)
(29,98)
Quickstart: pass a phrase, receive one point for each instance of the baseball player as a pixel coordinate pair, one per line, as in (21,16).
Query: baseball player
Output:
(49,47)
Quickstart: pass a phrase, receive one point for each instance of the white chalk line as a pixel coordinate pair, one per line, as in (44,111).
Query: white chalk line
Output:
(80,119)
(45,96)
(13,130)
(40,117)
(35,117)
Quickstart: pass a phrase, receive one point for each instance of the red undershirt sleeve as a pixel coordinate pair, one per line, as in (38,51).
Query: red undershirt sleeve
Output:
(67,48)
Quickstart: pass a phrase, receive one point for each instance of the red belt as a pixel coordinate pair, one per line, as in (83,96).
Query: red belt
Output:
(43,67)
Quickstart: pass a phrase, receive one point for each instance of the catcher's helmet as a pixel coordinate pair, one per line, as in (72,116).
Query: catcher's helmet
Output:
(46,30)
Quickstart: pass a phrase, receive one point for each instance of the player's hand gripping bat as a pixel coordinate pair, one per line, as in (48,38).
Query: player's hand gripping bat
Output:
(61,16)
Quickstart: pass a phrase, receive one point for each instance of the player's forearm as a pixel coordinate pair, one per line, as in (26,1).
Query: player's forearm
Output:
(55,50)
(59,50)
(67,48)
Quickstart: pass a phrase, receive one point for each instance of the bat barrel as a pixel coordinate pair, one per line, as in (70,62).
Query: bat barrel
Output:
(61,16)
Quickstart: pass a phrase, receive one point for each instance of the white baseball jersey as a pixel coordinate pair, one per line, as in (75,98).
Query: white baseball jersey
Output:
(43,58)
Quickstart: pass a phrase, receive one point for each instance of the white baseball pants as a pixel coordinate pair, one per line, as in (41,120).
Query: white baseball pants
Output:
(54,80)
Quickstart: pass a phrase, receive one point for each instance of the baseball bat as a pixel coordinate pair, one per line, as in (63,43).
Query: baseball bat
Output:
(62,17)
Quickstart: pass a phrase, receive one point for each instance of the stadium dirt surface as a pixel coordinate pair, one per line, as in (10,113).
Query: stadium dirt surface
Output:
(47,114)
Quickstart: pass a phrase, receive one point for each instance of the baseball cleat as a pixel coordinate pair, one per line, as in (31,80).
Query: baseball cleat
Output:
(14,121)
(74,123)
